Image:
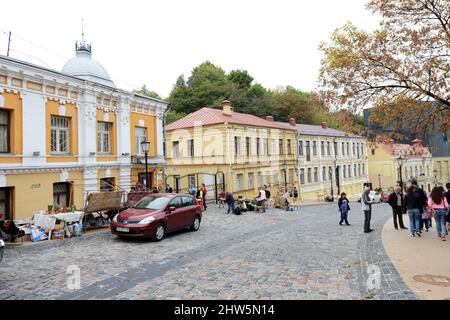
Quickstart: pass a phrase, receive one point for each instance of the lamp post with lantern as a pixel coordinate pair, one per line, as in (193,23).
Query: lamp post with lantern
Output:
(400,164)
(284,168)
(146,148)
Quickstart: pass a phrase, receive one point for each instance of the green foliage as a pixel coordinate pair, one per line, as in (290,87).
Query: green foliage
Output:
(146,92)
(173,116)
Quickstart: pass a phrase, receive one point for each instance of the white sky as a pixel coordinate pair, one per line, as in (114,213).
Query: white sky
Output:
(153,42)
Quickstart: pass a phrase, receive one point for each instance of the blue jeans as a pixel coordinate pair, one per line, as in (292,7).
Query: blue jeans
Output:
(439,216)
(230,208)
(414,220)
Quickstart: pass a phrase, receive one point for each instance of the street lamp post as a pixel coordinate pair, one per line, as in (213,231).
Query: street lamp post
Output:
(379,180)
(331,179)
(400,164)
(145,148)
(284,167)
(435,178)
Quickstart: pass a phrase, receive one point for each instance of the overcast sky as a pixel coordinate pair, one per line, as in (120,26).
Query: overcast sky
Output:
(153,42)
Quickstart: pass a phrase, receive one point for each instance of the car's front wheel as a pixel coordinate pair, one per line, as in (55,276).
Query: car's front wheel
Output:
(160,231)
(196,224)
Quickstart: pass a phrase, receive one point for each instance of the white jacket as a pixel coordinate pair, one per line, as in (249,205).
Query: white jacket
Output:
(365,202)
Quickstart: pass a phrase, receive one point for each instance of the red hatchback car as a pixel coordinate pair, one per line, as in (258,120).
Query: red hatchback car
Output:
(156,215)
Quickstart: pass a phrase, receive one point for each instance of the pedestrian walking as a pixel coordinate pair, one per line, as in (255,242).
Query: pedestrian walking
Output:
(439,207)
(366,206)
(229,199)
(344,208)
(413,203)
(222,196)
(205,192)
(397,202)
(267,196)
(423,204)
(447,196)
(201,198)
(262,199)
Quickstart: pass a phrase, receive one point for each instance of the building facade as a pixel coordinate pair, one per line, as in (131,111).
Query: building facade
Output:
(64,134)
(417,164)
(330,161)
(232,151)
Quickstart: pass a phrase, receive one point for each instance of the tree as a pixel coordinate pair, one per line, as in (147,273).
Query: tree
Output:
(403,68)
(241,78)
(146,92)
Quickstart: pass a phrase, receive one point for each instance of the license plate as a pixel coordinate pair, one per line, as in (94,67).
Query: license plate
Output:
(123,229)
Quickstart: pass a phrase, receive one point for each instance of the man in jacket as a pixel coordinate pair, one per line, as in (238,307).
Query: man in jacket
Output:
(423,205)
(366,206)
(397,203)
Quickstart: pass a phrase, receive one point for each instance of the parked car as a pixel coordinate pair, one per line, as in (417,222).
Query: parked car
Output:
(156,215)
(385,196)
(373,196)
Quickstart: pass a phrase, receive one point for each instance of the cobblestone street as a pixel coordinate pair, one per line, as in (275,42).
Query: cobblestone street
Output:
(276,255)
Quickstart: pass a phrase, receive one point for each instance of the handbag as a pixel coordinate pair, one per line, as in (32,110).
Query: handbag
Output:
(428,213)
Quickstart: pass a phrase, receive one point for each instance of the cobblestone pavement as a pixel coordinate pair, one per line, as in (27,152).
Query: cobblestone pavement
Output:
(275,255)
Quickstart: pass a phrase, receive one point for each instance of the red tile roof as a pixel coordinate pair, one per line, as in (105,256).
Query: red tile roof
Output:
(209,116)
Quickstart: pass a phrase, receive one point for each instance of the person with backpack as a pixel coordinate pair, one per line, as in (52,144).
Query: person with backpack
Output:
(229,199)
(344,208)
(438,205)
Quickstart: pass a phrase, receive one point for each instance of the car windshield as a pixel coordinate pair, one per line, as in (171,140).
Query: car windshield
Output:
(152,203)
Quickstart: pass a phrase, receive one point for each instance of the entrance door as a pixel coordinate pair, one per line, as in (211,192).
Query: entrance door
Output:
(176,186)
(143,180)
(6,195)
(61,194)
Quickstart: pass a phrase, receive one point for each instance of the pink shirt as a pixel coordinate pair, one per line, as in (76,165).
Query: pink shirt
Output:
(442,205)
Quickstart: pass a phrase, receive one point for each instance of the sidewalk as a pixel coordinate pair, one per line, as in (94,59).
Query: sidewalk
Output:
(423,263)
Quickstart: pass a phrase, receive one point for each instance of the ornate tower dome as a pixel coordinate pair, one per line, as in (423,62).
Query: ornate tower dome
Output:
(84,67)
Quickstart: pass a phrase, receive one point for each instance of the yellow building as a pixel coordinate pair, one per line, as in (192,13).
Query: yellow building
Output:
(63,134)
(384,169)
(230,150)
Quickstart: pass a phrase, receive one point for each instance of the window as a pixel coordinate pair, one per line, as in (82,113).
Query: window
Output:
(362,149)
(363,168)
(336,152)
(309,175)
(260,179)
(314,148)
(354,171)
(357,150)
(187,201)
(176,203)
(190,148)
(104,137)
(373,151)
(324,173)
(349,171)
(302,176)
(280,147)
(308,151)
(248,146)
(289,149)
(237,146)
(330,173)
(291,176)
(239,182)
(4,131)
(316,174)
(354,151)
(300,148)
(140,136)
(191,180)
(359,170)
(343,148)
(107,184)
(322,148)
(345,171)
(59,134)
(348,148)
(176,149)
(61,194)
(258,145)
(328,148)
(251,180)
(265,146)
(5,203)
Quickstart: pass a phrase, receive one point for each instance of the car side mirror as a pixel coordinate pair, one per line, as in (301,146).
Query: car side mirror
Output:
(171,209)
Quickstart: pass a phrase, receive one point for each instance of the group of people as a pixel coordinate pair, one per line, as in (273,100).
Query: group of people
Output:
(420,209)
(200,194)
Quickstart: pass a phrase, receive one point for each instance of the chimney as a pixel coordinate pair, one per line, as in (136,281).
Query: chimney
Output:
(324,125)
(227,108)
(292,122)
(270,118)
